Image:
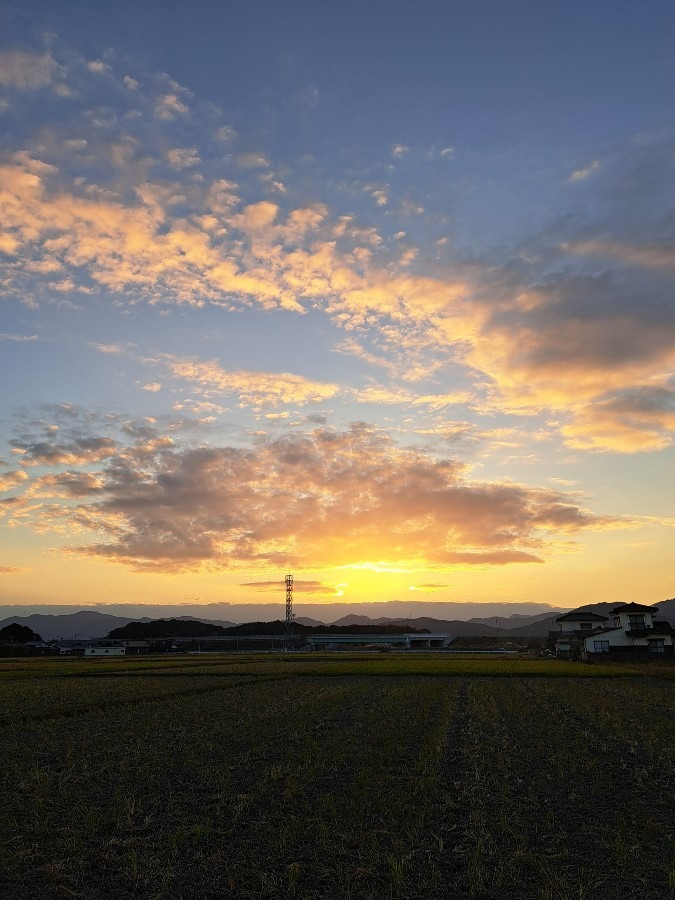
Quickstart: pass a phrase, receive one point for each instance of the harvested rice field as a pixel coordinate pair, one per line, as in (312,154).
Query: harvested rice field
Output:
(336,777)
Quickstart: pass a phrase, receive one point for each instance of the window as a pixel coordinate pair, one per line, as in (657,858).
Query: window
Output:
(586,625)
(601,646)
(657,646)
(636,621)
(617,622)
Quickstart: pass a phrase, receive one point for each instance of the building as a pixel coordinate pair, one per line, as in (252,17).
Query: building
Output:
(103,651)
(573,628)
(633,630)
(416,641)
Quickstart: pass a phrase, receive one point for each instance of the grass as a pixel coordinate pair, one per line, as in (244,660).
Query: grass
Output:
(260,777)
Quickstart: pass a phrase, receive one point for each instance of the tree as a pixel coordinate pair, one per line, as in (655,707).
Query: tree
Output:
(20,634)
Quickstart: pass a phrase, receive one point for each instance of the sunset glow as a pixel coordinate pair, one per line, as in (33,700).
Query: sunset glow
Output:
(380,294)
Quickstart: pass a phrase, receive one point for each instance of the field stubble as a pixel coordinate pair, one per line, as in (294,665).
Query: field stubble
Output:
(282,783)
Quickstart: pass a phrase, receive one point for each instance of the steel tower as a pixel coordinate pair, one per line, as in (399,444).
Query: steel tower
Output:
(288,631)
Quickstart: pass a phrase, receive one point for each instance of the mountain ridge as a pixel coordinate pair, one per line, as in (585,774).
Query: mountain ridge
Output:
(93,624)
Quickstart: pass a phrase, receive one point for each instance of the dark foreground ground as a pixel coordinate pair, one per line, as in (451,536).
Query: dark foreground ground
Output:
(242,778)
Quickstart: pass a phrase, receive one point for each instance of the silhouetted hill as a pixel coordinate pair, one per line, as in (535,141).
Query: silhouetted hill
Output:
(79,624)
(354,619)
(517,620)
(444,626)
(163,628)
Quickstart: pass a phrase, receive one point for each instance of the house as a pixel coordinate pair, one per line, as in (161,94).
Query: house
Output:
(573,628)
(633,630)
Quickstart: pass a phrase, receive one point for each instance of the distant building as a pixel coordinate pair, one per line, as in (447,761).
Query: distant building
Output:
(416,641)
(104,651)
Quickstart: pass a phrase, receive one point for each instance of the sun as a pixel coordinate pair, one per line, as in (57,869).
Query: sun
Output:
(373,581)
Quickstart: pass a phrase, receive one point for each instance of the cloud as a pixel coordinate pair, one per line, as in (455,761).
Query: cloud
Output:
(68,485)
(655,256)
(583,173)
(98,67)
(573,317)
(399,150)
(637,419)
(319,588)
(253,160)
(153,387)
(13,570)
(79,451)
(429,588)
(321,499)
(572,342)
(170,106)
(19,338)
(257,389)
(10,480)
(183,157)
(27,70)
(111,348)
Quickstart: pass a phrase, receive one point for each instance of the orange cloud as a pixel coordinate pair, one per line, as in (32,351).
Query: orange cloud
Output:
(322,499)
(642,418)
(79,451)
(301,587)
(256,389)
(531,343)
(10,480)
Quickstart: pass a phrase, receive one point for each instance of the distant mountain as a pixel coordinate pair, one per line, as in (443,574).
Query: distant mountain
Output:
(517,620)
(362,620)
(666,610)
(448,626)
(221,623)
(305,620)
(92,624)
(539,628)
(79,624)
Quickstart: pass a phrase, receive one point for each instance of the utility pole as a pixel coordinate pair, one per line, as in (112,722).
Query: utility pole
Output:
(288,631)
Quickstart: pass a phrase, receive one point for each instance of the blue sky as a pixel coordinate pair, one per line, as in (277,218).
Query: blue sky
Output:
(381,294)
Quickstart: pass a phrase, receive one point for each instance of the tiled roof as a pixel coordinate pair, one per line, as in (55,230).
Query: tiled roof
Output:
(633,607)
(586,616)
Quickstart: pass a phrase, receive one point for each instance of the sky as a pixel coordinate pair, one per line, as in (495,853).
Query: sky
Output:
(378,294)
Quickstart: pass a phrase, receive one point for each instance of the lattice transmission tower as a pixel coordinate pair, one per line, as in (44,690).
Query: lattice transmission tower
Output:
(288,631)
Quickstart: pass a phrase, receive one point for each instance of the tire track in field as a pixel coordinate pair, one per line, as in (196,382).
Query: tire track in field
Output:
(447,825)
